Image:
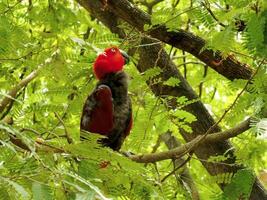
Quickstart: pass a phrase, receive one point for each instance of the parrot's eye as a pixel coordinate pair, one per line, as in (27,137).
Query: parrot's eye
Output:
(113,50)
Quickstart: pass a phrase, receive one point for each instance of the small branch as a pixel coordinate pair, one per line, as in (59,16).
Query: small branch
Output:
(213,15)
(29,54)
(175,169)
(190,146)
(11,7)
(10,105)
(69,139)
(177,57)
(150,44)
(30,130)
(7,120)
(183,52)
(230,133)
(202,82)
(184,64)
(156,146)
(183,177)
(175,3)
(85,37)
(15,59)
(18,142)
(213,93)
(153,157)
(40,145)
(13,92)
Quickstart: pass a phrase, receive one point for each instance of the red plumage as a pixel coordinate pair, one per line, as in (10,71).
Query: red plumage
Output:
(110,61)
(107,110)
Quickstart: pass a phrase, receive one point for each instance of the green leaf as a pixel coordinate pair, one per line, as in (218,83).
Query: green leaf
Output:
(18,188)
(150,73)
(240,186)
(172,82)
(4,193)
(41,191)
(88,183)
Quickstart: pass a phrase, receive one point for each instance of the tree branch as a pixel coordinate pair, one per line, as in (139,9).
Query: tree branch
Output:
(171,154)
(175,169)
(9,8)
(69,139)
(182,150)
(184,40)
(13,92)
(31,130)
(207,6)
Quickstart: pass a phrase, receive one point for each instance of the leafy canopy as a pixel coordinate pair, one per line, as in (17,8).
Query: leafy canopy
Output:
(61,41)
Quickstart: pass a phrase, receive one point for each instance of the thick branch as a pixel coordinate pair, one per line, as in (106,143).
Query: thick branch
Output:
(184,40)
(174,153)
(182,150)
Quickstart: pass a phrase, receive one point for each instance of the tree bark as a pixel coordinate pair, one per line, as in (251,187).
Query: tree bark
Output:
(228,67)
(152,53)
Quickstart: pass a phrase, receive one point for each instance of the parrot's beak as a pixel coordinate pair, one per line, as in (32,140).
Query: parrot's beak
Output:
(125,56)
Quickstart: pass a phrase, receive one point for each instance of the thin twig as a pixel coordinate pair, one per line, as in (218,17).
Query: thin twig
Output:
(13,92)
(30,53)
(11,95)
(10,8)
(191,62)
(31,130)
(69,139)
(184,64)
(156,146)
(213,93)
(149,44)
(213,15)
(174,17)
(175,169)
(202,82)
(175,3)
(178,57)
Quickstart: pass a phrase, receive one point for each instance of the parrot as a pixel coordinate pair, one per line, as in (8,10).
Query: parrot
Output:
(108,110)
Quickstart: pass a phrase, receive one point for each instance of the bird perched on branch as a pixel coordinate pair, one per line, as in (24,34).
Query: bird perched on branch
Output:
(108,110)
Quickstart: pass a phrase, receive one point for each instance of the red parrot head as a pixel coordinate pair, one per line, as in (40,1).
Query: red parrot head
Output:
(110,61)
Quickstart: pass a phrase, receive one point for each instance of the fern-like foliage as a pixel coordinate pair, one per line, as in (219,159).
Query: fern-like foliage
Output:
(62,39)
(255,33)
(240,186)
